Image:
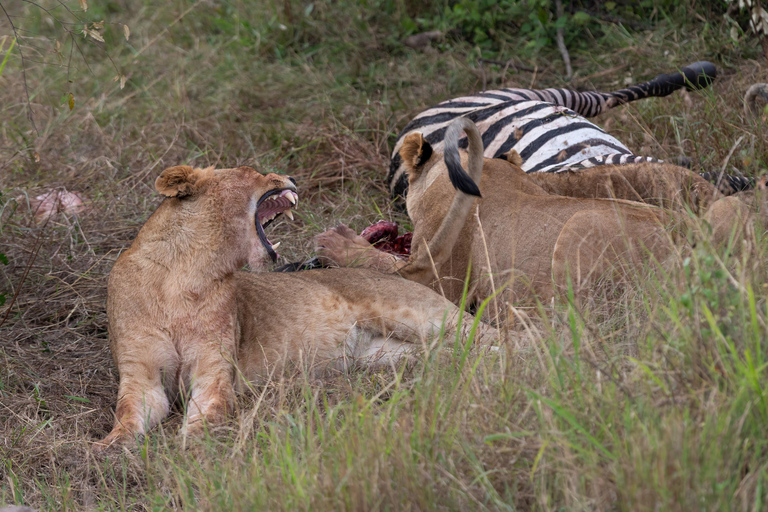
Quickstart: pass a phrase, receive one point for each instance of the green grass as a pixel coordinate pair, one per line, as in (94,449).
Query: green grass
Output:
(649,399)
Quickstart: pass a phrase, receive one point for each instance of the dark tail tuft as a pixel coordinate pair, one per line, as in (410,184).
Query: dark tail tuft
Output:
(459,177)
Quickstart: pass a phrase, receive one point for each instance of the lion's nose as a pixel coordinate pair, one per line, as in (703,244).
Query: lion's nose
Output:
(292,180)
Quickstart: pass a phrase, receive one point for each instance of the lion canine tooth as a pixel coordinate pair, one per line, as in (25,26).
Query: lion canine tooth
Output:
(289,213)
(275,245)
(290,195)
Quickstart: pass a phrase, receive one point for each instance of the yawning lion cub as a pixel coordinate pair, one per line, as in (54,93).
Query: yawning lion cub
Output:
(183,317)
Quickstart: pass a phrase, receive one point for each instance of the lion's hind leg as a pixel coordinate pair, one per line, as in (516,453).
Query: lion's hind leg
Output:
(379,351)
(406,331)
(409,311)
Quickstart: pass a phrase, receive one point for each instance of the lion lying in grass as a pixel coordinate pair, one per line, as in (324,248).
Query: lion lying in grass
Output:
(523,231)
(184,319)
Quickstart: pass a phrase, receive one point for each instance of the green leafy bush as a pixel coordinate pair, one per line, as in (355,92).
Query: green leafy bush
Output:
(530,25)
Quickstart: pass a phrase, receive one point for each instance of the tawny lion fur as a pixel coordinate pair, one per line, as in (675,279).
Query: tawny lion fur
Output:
(535,232)
(184,319)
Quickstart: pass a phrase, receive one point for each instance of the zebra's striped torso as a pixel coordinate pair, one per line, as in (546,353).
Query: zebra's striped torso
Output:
(548,127)
(549,137)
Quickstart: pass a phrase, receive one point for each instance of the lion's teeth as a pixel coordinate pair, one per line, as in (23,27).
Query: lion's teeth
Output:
(275,245)
(289,213)
(290,195)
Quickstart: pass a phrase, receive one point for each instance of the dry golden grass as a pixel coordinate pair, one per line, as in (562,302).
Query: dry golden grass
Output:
(636,402)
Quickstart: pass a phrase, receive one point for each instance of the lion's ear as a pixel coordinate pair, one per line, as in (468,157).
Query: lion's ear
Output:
(513,157)
(178,181)
(415,152)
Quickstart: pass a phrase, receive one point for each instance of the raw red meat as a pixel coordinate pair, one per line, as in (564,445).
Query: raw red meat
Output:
(383,236)
(380,232)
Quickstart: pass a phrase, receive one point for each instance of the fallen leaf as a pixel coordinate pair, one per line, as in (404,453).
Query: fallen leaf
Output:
(97,36)
(94,34)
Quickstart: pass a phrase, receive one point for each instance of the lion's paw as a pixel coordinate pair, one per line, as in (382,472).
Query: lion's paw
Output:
(341,246)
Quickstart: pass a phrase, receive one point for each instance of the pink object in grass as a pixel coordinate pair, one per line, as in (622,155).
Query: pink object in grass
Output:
(54,201)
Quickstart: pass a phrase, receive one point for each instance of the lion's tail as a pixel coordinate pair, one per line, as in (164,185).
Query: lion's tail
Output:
(442,243)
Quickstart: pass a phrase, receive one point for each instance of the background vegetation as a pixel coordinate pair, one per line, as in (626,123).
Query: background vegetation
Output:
(650,400)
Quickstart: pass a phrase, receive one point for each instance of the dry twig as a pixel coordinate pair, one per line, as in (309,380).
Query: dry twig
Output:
(561,42)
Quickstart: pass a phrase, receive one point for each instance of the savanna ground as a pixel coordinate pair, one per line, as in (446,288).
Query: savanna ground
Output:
(652,399)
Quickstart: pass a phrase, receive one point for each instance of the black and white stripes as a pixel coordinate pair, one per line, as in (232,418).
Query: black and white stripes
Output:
(546,127)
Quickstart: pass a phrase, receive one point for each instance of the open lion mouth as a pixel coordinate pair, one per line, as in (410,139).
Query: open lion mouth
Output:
(268,208)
